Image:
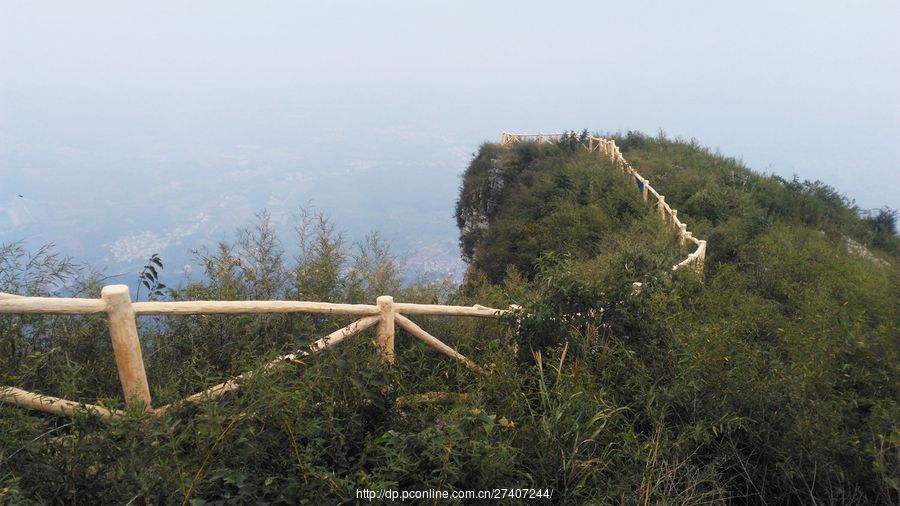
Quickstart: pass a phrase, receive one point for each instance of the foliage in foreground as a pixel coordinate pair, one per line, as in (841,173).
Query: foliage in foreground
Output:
(772,379)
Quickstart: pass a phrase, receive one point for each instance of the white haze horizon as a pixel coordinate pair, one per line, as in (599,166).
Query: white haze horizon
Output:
(132,129)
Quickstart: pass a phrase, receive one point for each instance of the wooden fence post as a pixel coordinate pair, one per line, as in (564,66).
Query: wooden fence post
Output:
(645,189)
(682,231)
(702,253)
(675,218)
(126,345)
(661,206)
(385,330)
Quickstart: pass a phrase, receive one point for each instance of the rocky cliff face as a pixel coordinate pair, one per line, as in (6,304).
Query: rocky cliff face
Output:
(480,198)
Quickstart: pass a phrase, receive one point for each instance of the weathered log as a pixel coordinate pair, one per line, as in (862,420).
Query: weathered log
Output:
(385,333)
(430,398)
(442,310)
(251,307)
(50,404)
(50,305)
(126,345)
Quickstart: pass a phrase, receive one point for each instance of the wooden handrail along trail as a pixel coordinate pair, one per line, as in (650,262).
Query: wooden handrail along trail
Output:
(121,313)
(608,148)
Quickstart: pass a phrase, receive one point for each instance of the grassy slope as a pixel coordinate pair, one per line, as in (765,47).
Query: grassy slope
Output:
(776,377)
(773,379)
(793,338)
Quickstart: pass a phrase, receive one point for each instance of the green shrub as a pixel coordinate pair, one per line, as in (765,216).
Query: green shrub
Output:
(770,378)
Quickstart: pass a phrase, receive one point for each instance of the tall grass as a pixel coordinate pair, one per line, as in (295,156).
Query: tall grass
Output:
(772,379)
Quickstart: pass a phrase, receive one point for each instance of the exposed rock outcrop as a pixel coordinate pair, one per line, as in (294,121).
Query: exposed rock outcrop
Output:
(480,198)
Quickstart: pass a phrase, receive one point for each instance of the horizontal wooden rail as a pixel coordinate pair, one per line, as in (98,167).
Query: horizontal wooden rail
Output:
(53,405)
(251,307)
(441,310)
(50,305)
(508,138)
(122,314)
(609,148)
(58,305)
(430,398)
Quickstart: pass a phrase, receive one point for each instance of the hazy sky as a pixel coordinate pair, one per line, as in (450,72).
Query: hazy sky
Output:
(143,95)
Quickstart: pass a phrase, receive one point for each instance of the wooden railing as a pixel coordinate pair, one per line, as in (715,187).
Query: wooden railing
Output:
(608,148)
(121,313)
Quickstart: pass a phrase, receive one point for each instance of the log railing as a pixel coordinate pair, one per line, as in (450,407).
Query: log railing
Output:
(608,148)
(121,313)
(115,302)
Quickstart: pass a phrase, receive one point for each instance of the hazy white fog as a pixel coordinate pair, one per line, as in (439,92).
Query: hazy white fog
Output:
(135,128)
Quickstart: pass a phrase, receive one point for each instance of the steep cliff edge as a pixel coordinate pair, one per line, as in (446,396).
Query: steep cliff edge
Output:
(479,198)
(520,203)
